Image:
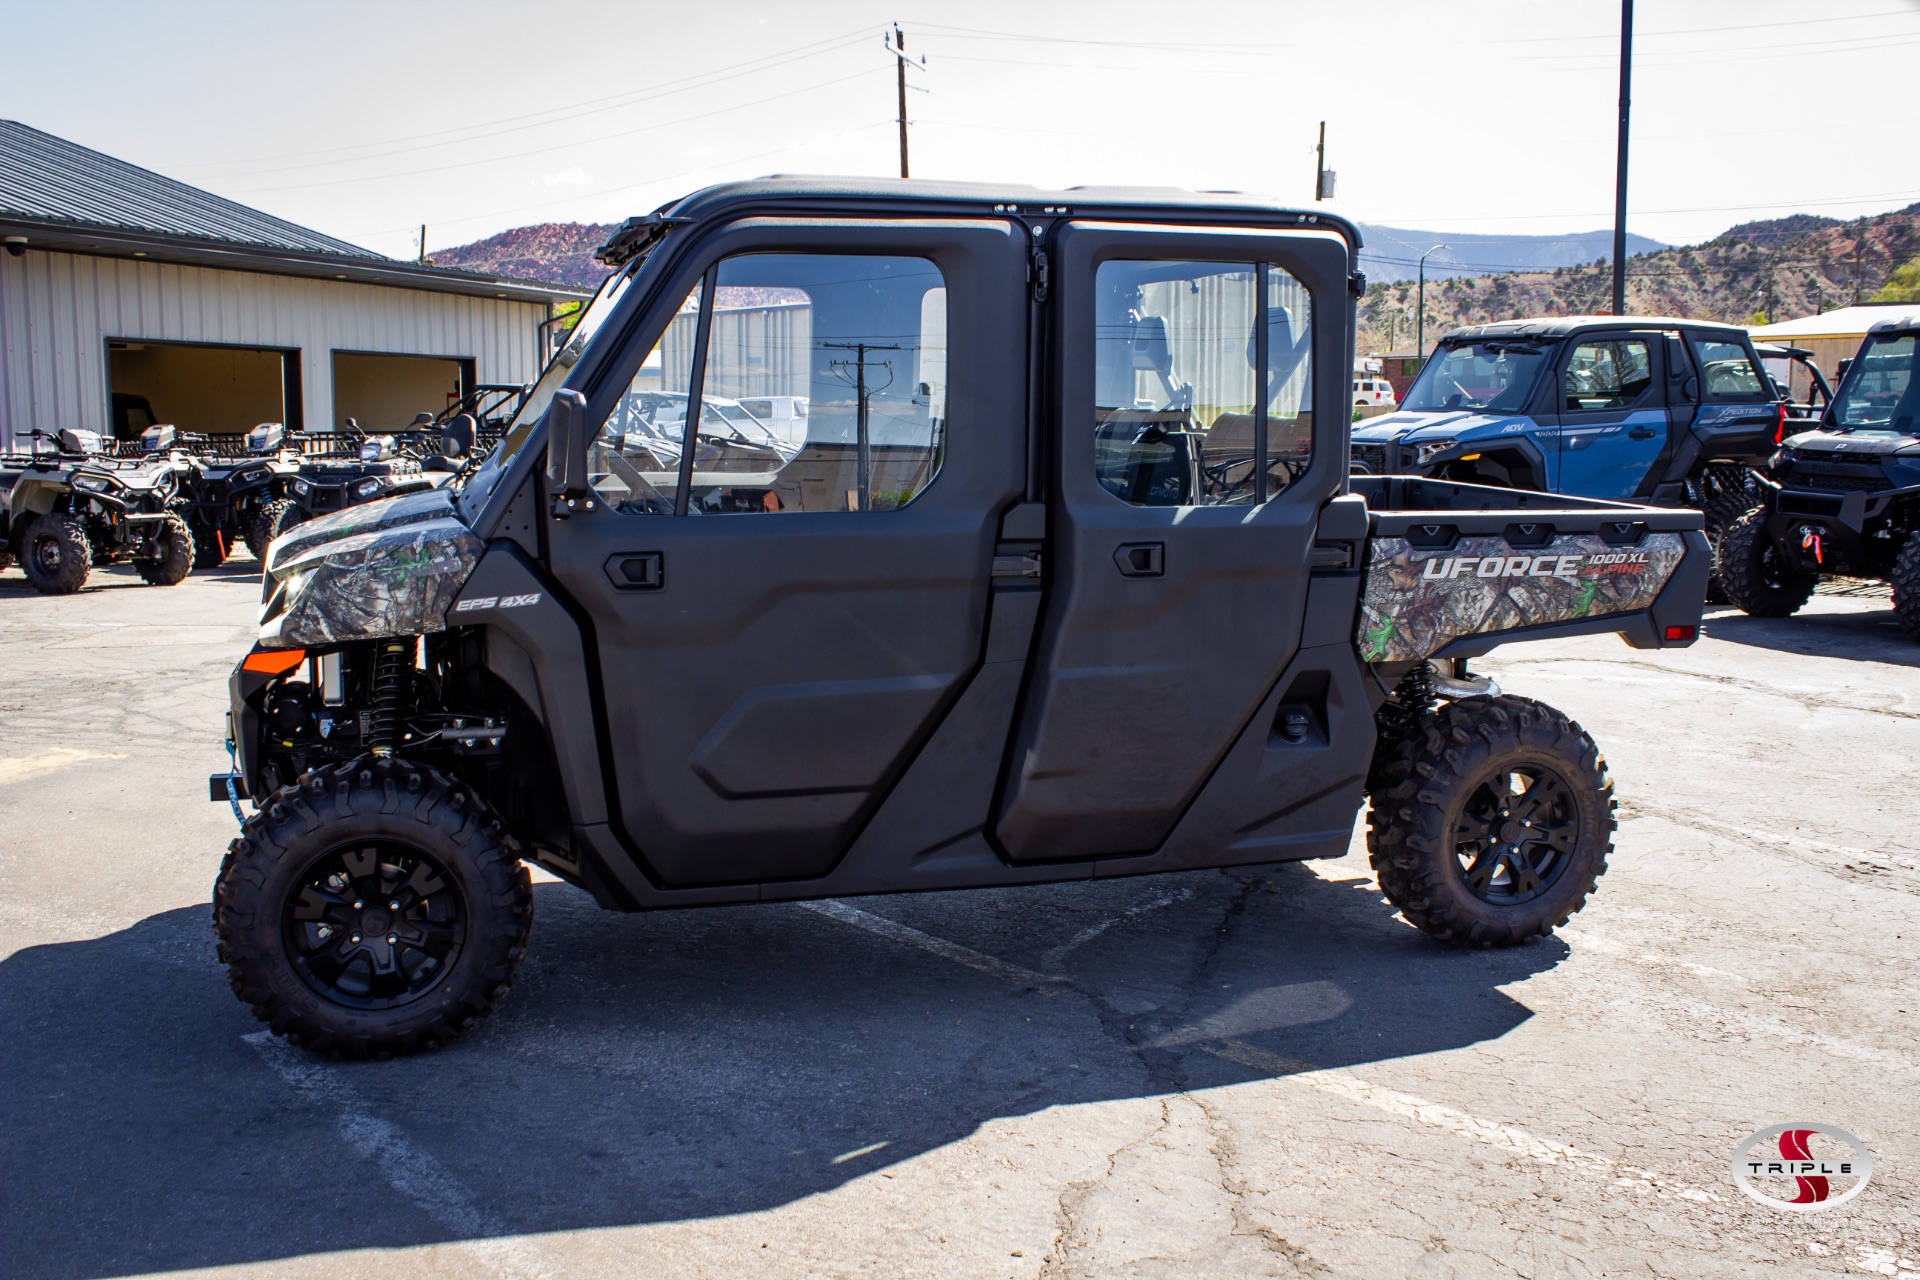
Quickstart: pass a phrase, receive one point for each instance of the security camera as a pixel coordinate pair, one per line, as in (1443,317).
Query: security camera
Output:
(17,246)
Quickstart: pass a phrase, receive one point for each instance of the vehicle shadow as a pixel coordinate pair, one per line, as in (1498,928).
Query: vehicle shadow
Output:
(1869,635)
(678,1065)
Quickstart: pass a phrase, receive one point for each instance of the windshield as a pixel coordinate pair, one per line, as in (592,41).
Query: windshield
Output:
(1880,393)
(551,380)
(1494,377)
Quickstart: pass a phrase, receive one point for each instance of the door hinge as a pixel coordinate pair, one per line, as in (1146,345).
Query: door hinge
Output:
(1039,275)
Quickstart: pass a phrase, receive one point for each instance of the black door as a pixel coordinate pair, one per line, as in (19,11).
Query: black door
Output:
(1200,413)
(784,607)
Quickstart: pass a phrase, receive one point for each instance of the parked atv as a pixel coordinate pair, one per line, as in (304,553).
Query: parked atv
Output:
(1845,498)
(1134,617)
(227,485)
(343,470)
(71,507)
(1667,412)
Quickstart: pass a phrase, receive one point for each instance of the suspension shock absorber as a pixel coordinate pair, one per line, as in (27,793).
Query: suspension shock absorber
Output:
(392,673)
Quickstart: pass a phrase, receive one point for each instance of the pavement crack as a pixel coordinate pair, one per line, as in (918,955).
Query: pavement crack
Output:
(1068,1234)
(1226,1157)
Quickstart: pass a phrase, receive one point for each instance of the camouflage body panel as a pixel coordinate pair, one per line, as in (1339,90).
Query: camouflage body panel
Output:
(1418,600)
(380,573)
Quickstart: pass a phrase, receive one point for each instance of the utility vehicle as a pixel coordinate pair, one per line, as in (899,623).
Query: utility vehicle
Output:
(1067,580)
(1668,412)
(70,507)
(1843,498)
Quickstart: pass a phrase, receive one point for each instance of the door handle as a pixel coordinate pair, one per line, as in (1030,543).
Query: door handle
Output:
(637,571)
(1640,433)
(1141,559)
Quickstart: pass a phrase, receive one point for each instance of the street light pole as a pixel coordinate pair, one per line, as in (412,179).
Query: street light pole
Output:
(1620,167)
(1420,317)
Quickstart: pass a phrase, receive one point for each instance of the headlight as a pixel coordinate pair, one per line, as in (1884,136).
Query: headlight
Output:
(92,483)
(1425,453)
(301,487)
(249,477)
(368,486)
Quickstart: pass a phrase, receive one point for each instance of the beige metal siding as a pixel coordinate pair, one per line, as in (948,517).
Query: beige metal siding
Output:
(57,311)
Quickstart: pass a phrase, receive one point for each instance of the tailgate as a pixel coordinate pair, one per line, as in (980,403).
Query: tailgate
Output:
(1452,570)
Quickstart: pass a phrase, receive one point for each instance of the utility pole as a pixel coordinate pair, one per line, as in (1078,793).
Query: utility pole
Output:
(863,442)
(1620,172)
(1420,319)
(1323,177)
(900,69)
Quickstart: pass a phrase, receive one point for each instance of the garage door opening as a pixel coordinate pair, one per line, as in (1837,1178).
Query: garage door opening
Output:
(383,392)
(215,390)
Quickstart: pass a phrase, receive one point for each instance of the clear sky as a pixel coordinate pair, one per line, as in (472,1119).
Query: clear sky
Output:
(365,120)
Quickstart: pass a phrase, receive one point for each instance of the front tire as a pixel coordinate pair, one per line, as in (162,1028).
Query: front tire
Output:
(1906,586)
(372,909)
(1758,579)
(265,525)
(1491,821)
(57,557)
(170,556)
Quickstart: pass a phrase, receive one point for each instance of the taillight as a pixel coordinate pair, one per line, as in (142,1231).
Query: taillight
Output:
(1780,423)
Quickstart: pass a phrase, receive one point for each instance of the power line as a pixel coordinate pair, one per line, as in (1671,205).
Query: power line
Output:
(1697,31)
(559,114)
(1237,47)
(571,142)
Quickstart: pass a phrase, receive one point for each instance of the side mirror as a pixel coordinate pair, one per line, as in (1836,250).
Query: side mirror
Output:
(456,441)
(567,445)
(1840,371)
(420,420)
(1690,389)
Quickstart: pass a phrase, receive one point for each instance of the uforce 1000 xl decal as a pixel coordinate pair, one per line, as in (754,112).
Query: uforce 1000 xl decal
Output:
(1419,599)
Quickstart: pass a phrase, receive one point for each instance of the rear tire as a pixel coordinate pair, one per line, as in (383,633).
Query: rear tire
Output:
(1906,586)
(1758,579)
(172,557)
(1722,513)
(312,945)
(1491,821)
(57,556)
(259,530)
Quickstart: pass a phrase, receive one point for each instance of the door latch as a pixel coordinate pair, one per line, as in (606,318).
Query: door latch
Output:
(1640,433)
(1141,559)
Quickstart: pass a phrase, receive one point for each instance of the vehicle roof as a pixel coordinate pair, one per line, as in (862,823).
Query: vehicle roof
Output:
(1561,326)
(924,197)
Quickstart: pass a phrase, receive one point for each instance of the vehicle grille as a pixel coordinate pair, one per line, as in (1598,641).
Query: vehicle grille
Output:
(215,491)
(1844,482)
(1370,458)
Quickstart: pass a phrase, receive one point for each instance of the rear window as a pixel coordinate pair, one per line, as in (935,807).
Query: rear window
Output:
(1727,372)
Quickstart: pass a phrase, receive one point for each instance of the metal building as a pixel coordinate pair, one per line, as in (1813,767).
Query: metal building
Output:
(127,298)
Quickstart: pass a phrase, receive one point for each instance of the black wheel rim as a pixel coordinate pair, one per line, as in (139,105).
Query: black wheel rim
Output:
(374,925)
(1516,834)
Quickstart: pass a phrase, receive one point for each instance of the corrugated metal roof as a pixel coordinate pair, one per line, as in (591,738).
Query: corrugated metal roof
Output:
(45,177)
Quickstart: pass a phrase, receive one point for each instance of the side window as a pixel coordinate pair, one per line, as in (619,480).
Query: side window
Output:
(825,386)
(1196,366)
(635,460)
(1612,373)
(1730,375)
